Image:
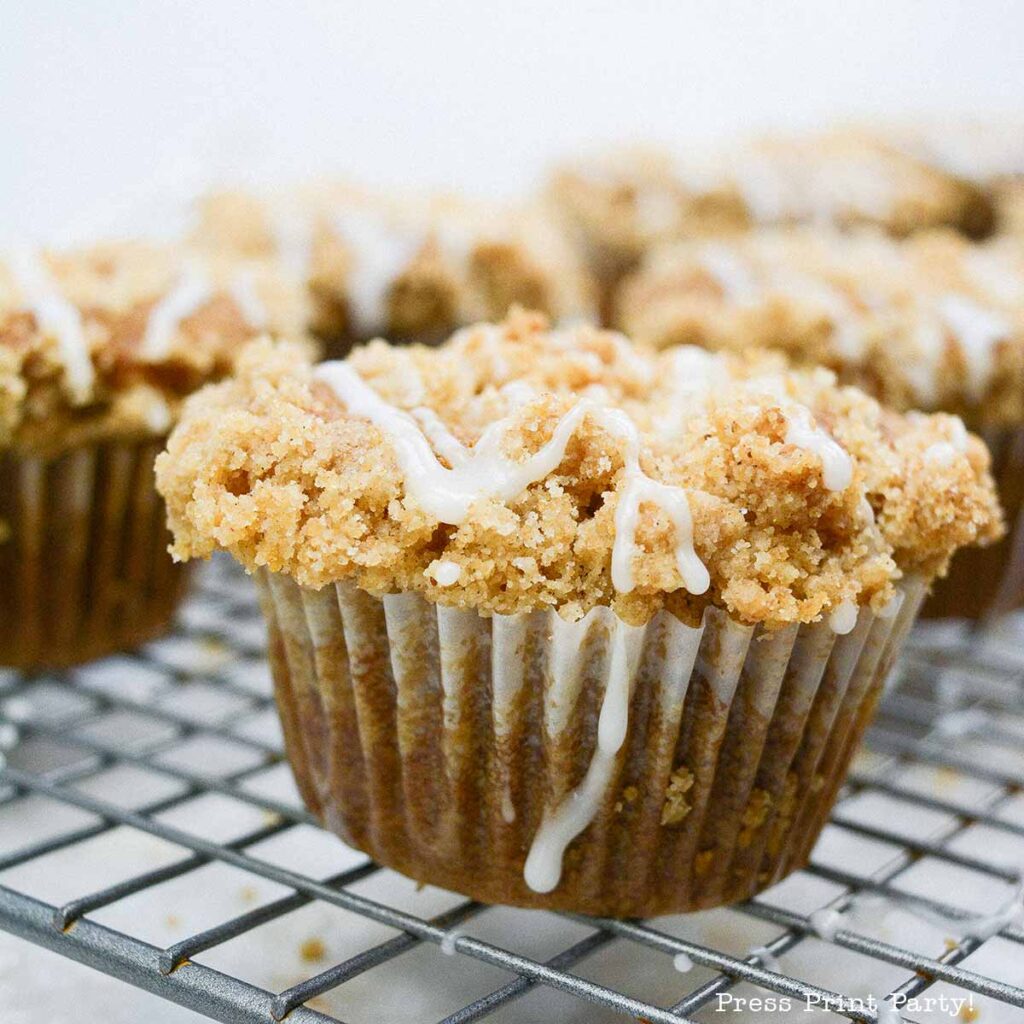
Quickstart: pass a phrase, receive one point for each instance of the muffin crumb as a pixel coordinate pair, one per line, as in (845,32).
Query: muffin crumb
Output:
(567,469)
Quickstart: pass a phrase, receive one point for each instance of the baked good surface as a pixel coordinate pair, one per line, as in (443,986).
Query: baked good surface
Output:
(930,322)
(977,150)
(408,267)
(517,467)
(104,342)
(988,153)
(621,203)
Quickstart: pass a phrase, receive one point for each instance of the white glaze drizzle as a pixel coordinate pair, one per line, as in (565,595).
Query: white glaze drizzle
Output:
(803,432)
(380,253)
(869,911)
(292,229)
(682,963)
(847,335)
(826,922)
(734,275)
(543,869)
(445,573)
(444,442)
(941,453)
(638,489)
(922,369)
(988,272)
(768,959)
(192,291)
(945,452)
(449,939)
(486,472)
(656,211)
(55,315)
(246,296)
(886,1012)
(958,436)
(792,183)
(978,331)
(693,372)
(843,617)
(745,283)
(891,608)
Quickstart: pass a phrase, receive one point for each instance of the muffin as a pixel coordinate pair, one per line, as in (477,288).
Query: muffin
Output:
(560,622)
(97,349)
(988,154)
(621,204)
(411,268)
(932,322)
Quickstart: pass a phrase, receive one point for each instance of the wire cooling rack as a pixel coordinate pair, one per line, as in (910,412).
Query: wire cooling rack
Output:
(146,815)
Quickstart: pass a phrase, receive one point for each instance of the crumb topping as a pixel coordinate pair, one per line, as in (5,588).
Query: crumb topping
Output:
(930,322)
(405,267)
(622,202)
(106,341)
(978,150)
(517,467)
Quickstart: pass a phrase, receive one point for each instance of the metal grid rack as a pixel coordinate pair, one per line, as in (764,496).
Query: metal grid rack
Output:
(206,685)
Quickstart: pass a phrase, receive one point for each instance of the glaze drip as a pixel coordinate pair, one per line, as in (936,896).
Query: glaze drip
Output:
(55,315)
(190,294)
(485,472)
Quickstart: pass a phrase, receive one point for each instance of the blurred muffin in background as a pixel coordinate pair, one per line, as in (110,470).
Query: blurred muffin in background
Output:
(408,268)
(560,621)
(987,153)
(618,205)
(98,347)
(932,322)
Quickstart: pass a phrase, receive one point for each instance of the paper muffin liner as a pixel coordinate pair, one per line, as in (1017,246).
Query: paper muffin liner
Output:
(987,582)
(83,555)
(689,767)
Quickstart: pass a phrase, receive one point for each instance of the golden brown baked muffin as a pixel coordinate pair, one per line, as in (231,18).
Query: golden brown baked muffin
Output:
(932,322)
(409,268)
(622,203)
(987,153)
(98,347)
(561,622)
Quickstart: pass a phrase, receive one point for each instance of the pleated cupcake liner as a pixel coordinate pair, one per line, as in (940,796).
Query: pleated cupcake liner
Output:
(988,582)
(594,766)
(83,555)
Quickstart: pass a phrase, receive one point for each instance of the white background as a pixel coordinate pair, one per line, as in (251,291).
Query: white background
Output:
(111,110)
(105,104)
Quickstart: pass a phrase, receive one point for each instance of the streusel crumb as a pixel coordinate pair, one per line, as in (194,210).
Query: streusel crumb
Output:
(930,322)
(620,203)
(803,495)
(410,267)
(104,342)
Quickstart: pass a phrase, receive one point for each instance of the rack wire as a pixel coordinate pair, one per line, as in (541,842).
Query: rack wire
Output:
(929,830)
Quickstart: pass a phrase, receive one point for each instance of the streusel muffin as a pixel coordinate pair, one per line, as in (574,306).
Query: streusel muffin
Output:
(932,322)
(97,349)
(411,268)
(560,622)
(987,153)
(622,203)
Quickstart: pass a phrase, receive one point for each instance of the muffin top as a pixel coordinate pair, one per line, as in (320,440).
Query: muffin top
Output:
(411,267)
(623,202)
(517,467)
(930,322)
(104,342)
(978,150)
